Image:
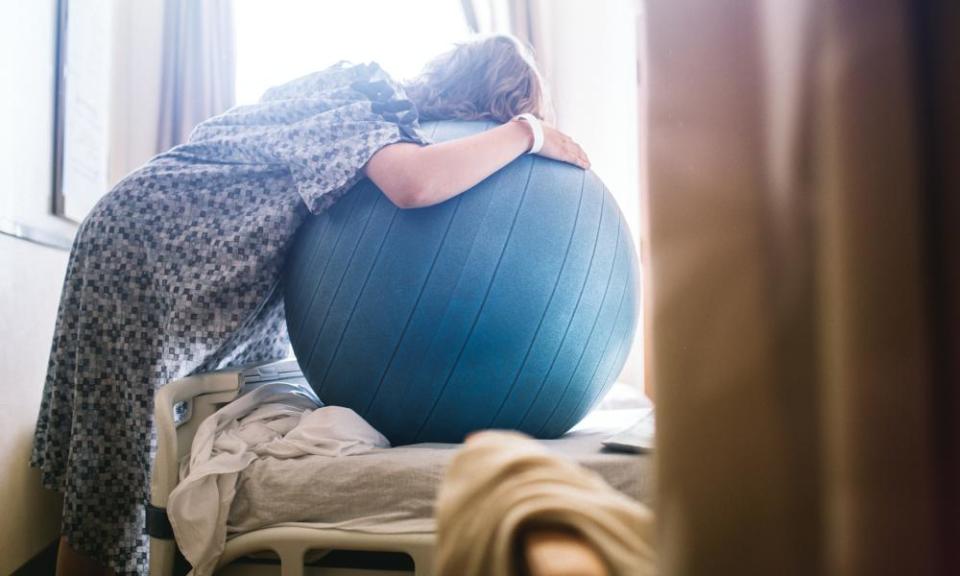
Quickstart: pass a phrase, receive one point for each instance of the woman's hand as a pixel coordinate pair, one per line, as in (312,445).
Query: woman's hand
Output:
(559,146)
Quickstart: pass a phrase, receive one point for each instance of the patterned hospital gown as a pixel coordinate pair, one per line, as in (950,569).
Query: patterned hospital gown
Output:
(175,271)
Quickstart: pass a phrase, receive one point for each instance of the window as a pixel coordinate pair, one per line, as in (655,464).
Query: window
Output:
(284,39)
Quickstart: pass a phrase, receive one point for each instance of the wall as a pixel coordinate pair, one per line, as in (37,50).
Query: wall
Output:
(591,72)
(30,275)
(29,293)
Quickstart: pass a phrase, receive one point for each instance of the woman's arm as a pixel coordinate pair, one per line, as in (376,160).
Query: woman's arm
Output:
(414,176)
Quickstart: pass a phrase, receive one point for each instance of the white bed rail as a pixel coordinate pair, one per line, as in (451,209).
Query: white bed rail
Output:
(292,541)
(204,394)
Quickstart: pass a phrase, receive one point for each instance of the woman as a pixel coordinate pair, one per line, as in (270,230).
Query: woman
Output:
(174,271)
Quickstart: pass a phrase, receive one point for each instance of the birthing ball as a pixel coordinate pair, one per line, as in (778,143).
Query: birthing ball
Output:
(512,305)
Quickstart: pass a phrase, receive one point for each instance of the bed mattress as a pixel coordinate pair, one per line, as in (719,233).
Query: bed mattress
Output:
(392,491)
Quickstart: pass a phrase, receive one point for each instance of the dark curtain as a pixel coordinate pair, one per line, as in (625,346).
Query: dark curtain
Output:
(802,283)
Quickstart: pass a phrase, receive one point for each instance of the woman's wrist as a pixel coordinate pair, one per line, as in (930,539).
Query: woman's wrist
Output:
(523,134)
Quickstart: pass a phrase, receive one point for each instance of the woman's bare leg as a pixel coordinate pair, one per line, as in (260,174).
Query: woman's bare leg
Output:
(560,552)
(72,563)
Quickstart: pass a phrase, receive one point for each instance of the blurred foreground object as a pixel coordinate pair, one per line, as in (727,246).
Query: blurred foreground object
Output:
(803,285)
(504,490)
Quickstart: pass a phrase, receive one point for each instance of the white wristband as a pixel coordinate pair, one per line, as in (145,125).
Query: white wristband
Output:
(536,128)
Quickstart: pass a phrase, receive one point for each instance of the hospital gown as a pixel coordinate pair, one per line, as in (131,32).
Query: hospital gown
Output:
(176,270)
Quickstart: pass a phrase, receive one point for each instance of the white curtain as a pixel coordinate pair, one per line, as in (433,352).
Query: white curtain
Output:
(198,66)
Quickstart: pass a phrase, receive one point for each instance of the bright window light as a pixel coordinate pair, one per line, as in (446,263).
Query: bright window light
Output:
(281,40)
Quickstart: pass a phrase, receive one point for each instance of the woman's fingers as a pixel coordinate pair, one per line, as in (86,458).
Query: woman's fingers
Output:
(559,146)
(578,156)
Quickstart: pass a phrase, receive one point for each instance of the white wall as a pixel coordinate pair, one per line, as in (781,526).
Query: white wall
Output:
(592,77)
(591,73)
(29,293)
(30,275)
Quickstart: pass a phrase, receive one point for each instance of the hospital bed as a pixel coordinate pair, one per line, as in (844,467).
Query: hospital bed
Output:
(392,533)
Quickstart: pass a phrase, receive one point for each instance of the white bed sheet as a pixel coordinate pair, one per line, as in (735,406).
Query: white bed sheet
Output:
(391,491)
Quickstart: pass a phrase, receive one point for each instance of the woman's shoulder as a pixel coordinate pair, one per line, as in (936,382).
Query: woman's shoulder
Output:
(340,76)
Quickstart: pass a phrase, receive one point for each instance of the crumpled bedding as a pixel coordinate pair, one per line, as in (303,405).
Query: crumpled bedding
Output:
(292,474)
(277,421)
(393,491)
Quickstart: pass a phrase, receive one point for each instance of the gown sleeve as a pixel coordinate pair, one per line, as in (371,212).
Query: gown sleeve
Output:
(323,128)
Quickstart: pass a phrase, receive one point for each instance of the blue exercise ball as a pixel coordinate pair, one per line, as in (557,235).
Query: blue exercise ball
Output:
(512,305)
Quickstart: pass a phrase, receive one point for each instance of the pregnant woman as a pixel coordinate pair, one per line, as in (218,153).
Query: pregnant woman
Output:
(175,270)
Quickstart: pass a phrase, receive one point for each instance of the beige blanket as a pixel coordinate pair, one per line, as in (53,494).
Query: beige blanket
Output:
(503,482)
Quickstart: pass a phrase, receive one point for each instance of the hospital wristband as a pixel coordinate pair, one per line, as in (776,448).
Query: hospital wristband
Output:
(536,127)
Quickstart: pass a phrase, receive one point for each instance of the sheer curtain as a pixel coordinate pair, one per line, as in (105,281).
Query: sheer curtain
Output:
(802,285)
(198,66)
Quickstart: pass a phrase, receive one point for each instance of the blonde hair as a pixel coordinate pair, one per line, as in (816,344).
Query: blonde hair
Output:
(493,78)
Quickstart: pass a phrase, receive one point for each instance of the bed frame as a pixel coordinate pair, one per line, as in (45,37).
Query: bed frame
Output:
(179,409)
